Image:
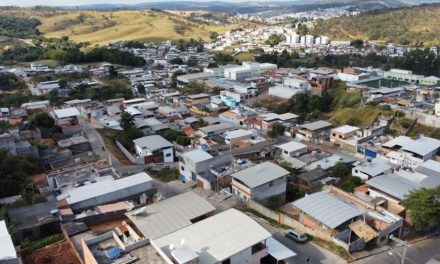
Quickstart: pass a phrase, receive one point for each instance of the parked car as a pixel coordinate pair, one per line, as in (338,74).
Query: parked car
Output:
(296,236)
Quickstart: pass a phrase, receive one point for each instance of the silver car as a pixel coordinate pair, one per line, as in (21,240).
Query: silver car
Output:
(296,236)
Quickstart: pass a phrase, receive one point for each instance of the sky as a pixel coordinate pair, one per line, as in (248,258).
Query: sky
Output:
(77,2)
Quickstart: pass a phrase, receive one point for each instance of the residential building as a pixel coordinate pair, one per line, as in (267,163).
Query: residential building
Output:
(195,165)
(315,131)
(292,149)
(246,241)
(67,119)
(169,215)
(154,149)
(46,87)
(138,187)
(372,168)
(183,80)
(343,132)
(260,182)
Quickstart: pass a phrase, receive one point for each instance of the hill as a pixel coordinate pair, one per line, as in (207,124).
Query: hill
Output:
(412,26)
(101,27)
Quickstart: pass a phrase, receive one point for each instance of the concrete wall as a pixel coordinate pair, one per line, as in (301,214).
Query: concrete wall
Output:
(275,188)
(135,160)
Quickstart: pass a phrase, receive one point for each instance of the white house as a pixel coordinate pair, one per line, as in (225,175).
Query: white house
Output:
(292,149)
(371,168)
(260,182)
(154,148)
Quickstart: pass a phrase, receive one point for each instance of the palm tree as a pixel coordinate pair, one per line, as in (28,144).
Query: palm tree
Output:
(126,121)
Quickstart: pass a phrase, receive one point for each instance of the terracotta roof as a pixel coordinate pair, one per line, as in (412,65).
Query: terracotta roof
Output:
(63,203)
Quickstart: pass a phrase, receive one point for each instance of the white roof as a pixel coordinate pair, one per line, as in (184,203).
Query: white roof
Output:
(216,238)
(292,146)
(374,167)
(197,155)
(278,250)
(171,214)
(103,187)
(345,129)
(7,247)
(237,133)
(422,146)
(133,111)
(135,100)
(260,174)
(152,142)
(66,112)
(398,141)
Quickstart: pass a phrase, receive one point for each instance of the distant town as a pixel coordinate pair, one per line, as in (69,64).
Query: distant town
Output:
(264,145)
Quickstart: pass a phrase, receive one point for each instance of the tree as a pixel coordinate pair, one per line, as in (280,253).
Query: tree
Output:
(126,121)
(41,120)
(212,65)
(277,130)
(340,170)
(213,36)
(183,140)
(141,89)
(357,43)
(423,207)
(128,135)
(192,61)
(178,61)
(302,30)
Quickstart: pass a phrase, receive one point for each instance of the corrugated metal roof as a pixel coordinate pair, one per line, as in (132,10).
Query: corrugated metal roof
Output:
(170,214)
(393,185)
(321,124)
(218,237)
(398,141)
(278,250)
(260,174)
(375,167)
(327,209)
(291,146)
(422,146)
(152,142)
(106,186)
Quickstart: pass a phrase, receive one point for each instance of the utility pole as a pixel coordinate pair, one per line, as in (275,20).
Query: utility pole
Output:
(403,243)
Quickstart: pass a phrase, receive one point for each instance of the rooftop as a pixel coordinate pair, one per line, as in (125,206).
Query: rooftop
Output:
(32,215)
(398,141)
(345,129)
(374,167)
(327,209)
(422,146)
(216,238)
(153,142)
(321,124)
(197,155)
(260,174)
(66,112)
(394,185)
(291,146)
(8,249)
(164,217)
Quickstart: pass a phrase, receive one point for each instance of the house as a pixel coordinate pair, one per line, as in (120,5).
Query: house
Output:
(343,132)
(292,149)
(231,237)
(138,187)
(169,215)
(195,165)
(215,129)
(349,220)
(233,136)
(268,120)
(195,99)
(46,87)
(313,132)
(67,119)
(285,92)
(184,80)
(315,176)
(154,149)
(372,168)
(8,255)
(260,182)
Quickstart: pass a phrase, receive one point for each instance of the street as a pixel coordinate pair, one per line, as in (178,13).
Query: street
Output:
(419,253)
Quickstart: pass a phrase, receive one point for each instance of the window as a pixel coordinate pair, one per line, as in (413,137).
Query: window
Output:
(227,261)
(168,155)
(334,134)
(182,168)
(340,136)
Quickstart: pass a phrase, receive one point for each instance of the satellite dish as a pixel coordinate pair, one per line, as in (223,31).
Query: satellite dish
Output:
(182,241)
(171,246)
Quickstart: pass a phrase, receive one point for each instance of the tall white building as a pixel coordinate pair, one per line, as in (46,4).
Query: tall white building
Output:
(309,39)
(248,70)
(292,38)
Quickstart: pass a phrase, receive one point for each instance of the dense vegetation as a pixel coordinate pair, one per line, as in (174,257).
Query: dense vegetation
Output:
(18,27)
(414,26)
(10,82)
(424,208)
(15,172)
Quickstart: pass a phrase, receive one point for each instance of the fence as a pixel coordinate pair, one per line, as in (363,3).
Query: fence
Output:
(138,160)
(287,220)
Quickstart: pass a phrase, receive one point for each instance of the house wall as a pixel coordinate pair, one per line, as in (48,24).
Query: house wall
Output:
(377,194)
(245,256)
(274,188)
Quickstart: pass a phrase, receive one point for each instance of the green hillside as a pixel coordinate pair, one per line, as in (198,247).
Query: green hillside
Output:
(412,26)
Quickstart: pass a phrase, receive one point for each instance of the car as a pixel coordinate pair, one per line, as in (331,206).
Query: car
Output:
(296,236)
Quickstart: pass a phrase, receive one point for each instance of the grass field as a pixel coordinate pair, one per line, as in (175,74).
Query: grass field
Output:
(99,27)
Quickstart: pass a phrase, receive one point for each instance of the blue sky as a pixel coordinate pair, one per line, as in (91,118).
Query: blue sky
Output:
(80,2)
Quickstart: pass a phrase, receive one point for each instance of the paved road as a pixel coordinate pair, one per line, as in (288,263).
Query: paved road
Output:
(307,250)
(419,253)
